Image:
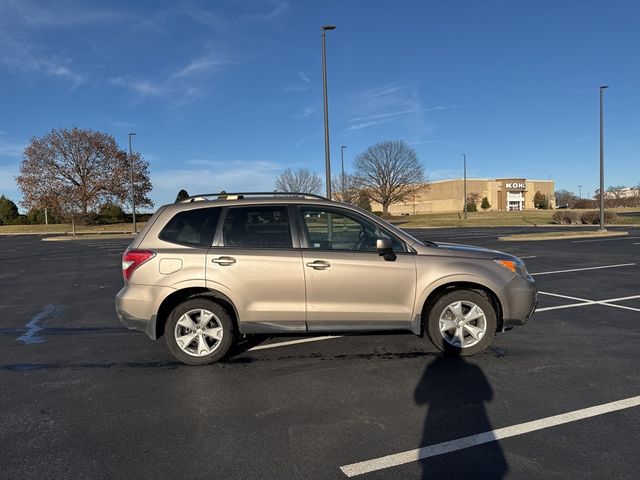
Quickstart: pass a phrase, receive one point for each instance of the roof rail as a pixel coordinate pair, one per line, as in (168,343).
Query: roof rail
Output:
(239,195)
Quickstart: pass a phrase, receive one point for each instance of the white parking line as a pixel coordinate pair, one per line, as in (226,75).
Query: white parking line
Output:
(409,456)
(585,302)
(586,268)
(293,342)
(529,256)
(604,239)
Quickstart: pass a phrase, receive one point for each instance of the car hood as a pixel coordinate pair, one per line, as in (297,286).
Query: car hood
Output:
(471,251)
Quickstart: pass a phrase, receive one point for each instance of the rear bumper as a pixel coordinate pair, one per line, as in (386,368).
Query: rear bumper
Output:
(136,310)
(521,300)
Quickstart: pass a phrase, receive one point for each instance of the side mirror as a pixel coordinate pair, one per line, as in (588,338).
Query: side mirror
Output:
(385,249)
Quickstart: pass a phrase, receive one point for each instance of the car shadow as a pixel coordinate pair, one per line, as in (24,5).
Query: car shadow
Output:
(455,391)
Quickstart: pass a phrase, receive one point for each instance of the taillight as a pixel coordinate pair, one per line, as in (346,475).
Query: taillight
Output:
(132,259)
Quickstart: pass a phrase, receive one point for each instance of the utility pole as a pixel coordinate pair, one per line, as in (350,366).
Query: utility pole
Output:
(602,88)
(327,155)
(464,156)
(342,186)
(133,192)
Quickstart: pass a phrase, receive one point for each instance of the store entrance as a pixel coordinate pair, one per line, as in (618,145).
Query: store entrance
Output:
(515,201)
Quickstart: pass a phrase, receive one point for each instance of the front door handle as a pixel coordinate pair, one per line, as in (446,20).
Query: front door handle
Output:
(224,261)
(319,265)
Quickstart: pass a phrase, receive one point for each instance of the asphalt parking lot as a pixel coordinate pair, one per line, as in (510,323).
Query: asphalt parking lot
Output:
(84,398)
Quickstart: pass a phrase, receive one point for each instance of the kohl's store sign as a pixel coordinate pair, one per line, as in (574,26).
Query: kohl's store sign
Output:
(521,185)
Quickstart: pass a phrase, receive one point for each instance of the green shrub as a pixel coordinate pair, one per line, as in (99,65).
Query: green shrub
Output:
(592,217)
(565,217)
(378,213)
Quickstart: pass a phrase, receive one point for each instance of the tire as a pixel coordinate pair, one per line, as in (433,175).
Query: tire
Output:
(471,318)
(199,332)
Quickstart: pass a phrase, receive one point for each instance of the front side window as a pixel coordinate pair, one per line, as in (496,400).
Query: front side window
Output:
(193,228)
(257,227)
(332,230)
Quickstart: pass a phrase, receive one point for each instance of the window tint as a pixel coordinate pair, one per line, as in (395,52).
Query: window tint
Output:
(331,230)
(194,228)
(257,227)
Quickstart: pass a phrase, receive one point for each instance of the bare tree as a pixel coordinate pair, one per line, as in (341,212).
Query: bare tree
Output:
(345,188)
(75,171)
(301,180)
(390,172)
(566,199)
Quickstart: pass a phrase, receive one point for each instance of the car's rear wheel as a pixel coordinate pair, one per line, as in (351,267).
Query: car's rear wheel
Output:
(199,331)
(462,322)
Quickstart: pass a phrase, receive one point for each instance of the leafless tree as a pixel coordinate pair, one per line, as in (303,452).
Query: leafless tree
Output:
(390,172)
(76,171)
(565,198)
(345,188)
(301,180)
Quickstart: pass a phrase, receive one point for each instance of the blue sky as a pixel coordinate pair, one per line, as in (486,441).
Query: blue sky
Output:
(226,94)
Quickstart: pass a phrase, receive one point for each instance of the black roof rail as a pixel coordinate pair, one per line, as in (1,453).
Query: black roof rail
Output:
(239,195)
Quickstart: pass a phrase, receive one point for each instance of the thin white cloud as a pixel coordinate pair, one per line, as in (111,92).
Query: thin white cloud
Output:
(303,77)
(385,104)
(279,9)
(10,148)
(143,88)
(381,116)
(303,85)
(304,140)
(38,15)
(204,64)
(20,57)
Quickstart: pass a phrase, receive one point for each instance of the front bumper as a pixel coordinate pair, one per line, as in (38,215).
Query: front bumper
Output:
(521,295)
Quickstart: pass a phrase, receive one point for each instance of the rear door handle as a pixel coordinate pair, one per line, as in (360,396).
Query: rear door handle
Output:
(224,261)
(319,265)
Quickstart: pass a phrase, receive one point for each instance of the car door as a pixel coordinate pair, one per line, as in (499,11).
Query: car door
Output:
(255,264)
(349,286)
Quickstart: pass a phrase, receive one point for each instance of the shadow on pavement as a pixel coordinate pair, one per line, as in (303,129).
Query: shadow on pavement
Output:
(455,392)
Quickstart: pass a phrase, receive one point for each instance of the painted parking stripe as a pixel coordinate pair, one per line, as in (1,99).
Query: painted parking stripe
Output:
(409,456)
(604,239)
(529,256)
(584,302)
(584,269)
(294,342)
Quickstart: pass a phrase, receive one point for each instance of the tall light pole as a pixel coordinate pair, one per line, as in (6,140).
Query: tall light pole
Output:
(342,147)
(580,194)
(464,156)
(602,88)
(327,155)
(133,192)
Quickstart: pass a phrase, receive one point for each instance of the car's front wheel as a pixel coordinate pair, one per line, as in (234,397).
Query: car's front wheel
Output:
(462,322)
(199,331)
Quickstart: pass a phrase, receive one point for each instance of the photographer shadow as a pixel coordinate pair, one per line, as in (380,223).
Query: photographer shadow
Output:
(455,391)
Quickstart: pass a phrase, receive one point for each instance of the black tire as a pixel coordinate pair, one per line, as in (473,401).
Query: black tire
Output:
(447,341)
(220,322)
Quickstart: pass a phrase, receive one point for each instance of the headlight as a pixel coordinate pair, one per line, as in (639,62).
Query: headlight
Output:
(517,266)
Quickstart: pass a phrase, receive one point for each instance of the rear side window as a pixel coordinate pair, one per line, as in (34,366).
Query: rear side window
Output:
(258,227)
(194,228)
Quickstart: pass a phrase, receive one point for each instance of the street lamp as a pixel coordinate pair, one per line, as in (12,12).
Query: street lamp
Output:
(133,196)
(327,156)
(342,147)
(602,88)
(464,156)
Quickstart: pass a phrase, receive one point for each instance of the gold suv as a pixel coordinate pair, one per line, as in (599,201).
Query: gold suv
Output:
(213,267)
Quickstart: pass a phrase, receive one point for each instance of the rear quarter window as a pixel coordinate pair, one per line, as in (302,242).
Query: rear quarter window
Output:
(193,228)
